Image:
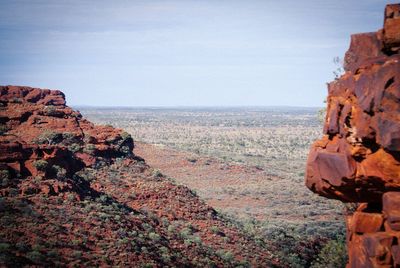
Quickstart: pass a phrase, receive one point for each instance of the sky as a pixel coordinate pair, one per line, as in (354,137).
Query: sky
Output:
(181,53)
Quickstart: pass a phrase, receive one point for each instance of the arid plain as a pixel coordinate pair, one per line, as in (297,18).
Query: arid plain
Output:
(246,162)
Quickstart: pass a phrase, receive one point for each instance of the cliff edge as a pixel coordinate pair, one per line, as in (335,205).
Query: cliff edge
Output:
(358,158)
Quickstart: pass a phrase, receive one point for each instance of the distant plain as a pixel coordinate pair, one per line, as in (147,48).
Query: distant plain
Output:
(247,162)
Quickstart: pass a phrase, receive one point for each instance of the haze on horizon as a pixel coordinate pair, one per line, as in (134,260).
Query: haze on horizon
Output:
(180,53)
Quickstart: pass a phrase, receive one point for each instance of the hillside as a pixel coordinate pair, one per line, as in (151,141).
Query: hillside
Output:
(74,194)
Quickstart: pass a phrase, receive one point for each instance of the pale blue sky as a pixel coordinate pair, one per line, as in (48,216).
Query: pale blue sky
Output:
(167,53)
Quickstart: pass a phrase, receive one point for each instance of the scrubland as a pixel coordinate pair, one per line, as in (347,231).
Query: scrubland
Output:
(268,197)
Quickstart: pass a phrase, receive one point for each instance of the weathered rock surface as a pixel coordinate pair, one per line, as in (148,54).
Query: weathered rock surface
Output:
(37,125)
(391,34)
(372,234)
(358,158)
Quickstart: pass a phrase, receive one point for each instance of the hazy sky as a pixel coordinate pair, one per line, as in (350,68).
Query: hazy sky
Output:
(164,53)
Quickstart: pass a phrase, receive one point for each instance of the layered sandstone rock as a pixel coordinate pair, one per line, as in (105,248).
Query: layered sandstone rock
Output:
(358,158)
(373,232)
(36,125)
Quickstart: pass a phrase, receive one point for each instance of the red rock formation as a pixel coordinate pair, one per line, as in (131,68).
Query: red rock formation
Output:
(358,158)
(37,125)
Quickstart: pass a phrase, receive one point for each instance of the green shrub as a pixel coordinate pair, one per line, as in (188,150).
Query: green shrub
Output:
(125,150)
(51,111)
(3,129)
(77,254)
(332,255)
(214,229)
(321,115)
(4,174)
(35,256)
(103,198)
(197,240)
(338,72)
(4,247)
(126,135)
(49,137)
(75,147)
(40,165)
(166,257)
(155,237)
(61,173)
(52,254)
(89,148)
(16,100)
(13,192)
(75,242)
(225,255)
(68,137)
(157,173)
(22,246)
(185,232)
(188,241)
(171,229)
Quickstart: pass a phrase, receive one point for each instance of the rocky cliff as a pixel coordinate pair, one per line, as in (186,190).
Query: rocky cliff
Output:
(40,135)
(358,158)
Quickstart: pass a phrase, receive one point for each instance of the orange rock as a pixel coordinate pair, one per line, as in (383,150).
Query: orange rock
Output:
(391,202)
(362,47)
(391,209)
(363,222)
(396,255)
(391,33)
(46,189)
(358,158)
(378,248)
(41,127)
(357,253)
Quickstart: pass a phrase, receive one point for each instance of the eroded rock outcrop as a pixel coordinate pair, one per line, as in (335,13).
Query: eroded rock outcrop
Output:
(40,135)
(358,158)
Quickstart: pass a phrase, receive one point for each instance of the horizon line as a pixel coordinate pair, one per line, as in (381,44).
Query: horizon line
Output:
(189,106)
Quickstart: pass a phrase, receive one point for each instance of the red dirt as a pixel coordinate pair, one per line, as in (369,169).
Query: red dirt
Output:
(222,185)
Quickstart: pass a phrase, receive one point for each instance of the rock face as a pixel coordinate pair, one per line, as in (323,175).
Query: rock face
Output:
(36,125)
(358,158)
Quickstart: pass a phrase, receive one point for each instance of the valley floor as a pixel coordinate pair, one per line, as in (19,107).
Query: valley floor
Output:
(246,163)
(244,191)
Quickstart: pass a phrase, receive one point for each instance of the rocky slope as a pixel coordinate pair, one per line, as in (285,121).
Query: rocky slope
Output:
(358,158)
(74,194)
